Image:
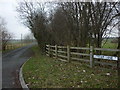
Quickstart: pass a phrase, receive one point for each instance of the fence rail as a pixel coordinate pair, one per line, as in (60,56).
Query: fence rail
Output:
(104,49)
(84,48)
(67,54)
(13,46)
(74,53)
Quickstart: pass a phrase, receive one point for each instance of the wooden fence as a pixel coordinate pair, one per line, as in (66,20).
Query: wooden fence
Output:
(13,46)
(68,54)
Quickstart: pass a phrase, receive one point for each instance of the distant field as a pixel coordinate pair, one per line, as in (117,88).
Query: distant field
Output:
(19,41)
(109,44)
(12,46)
(15,41)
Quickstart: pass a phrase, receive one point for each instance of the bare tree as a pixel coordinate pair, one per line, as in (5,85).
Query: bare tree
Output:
(73,23)
(6,36)
(34,17)
(103,18)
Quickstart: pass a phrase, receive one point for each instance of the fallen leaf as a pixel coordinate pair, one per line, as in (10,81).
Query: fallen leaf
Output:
(84,71)
(108,74)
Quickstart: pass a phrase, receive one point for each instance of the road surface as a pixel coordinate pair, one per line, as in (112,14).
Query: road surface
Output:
(11,63)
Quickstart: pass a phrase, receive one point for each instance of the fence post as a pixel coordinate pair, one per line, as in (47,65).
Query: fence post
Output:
(91,57)
(12,46)
(6,47)
(55,51)
(68,53)
(49,50)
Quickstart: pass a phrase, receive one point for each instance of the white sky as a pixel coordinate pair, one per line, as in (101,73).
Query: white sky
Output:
(14,25)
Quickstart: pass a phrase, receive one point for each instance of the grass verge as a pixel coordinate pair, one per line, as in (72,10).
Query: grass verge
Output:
(44,72)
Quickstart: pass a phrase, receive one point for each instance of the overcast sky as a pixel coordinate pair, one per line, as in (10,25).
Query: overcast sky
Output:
(8,12)
(14,25)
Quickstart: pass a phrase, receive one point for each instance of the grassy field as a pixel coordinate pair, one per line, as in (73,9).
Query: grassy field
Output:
(44,72)
(110,45)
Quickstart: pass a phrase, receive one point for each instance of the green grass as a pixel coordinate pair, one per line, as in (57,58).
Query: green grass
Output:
(110,45)
(44,72)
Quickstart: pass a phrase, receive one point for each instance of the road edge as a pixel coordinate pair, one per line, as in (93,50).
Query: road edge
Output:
(21,79)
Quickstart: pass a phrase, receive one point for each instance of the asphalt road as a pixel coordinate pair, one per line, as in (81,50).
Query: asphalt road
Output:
(11,63)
